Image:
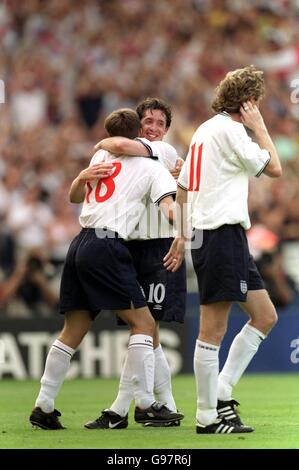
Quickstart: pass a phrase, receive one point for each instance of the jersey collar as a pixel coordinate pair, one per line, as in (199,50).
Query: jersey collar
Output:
(224,113)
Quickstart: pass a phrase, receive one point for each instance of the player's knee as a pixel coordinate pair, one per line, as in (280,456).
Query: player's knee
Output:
(271,318)
(267,321)
(142,322)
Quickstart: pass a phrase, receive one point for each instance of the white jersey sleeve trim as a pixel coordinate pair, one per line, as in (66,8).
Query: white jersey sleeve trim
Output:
(148,147)
(172,193)
(166,153)
(182,186)
(262,169)
(250,154)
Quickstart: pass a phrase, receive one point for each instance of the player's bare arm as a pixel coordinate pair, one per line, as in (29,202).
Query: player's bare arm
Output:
(175,256)
(167,206)
(94,172)
(252,118)
(123,146)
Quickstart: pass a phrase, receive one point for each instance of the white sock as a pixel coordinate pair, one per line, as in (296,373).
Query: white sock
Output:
(242,350)
(141,360)
(57,365)
(162,385)
(162,380)
(206,369)
(121,404)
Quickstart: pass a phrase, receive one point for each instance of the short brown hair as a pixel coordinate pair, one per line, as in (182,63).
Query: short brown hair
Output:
(238,86)
(154,103)
(123,122)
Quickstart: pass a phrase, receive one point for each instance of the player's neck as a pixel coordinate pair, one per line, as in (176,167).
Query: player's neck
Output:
(236,117)
(233,116)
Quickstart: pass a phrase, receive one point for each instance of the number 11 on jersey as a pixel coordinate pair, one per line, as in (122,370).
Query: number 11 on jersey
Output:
(195,168)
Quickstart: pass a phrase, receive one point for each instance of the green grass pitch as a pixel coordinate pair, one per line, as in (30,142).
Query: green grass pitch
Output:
(270,403)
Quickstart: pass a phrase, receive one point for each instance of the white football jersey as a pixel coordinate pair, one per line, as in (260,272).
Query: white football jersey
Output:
(221,158)
(153,223)
(117,202)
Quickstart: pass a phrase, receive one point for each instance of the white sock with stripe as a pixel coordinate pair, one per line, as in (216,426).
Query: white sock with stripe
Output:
(206,369)
(57,365)
(242,350)
(141,361)
(162,380)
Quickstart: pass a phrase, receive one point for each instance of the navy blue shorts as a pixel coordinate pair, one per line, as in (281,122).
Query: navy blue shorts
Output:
(99,274)
(165,292)
(224,268)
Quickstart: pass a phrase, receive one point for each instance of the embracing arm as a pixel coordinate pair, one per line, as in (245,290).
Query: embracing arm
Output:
(77,191)
(123,146)
(95,172)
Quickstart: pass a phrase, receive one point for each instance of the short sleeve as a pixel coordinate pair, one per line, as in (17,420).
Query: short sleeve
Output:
(183,178)
(98,157)
(163,184)
(146,143)
(166,153)
(252,157)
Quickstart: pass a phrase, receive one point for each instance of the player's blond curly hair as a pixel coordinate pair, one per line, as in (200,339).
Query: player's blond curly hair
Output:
(238,86)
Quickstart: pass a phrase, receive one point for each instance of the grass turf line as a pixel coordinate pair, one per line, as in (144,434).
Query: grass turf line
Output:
(270,403)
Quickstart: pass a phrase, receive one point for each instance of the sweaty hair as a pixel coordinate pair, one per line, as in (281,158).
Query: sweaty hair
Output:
(123,122)
(154,103)
(238,86)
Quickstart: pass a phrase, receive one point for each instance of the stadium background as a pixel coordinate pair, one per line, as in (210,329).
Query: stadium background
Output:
(65,65)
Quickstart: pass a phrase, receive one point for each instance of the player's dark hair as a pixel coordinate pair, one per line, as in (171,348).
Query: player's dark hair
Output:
(237,87)
(123,122)
(154,103)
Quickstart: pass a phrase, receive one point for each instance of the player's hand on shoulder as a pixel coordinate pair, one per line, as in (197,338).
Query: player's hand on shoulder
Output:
(95,172)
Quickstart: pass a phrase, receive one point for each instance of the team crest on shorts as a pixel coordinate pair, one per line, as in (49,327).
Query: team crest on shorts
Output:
(243,287)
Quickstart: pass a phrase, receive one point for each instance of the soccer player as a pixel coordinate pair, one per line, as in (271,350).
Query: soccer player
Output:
(215,177)
(99,273)
(165,291)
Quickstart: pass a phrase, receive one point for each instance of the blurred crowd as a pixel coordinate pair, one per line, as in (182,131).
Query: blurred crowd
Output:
(66,64)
